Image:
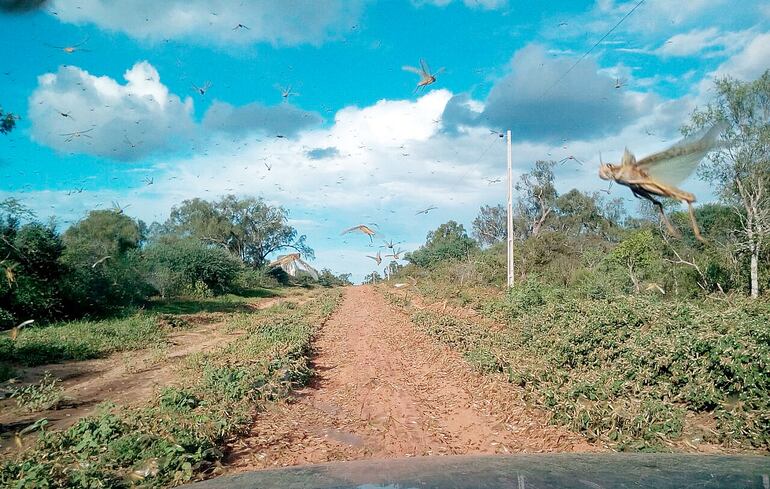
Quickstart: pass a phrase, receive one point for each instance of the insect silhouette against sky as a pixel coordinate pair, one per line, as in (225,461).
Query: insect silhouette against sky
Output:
(377,258)
(71,49)
(396,255)
(72,135)
(118,209)
(286,92)
(361,228)
(426,210)
(426,77)
(203,89)
(660,173)
(571,158)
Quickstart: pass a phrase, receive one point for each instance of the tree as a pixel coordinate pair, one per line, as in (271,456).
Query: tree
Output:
(249,228)
(638,255)
(579,213)
(740,166)
(103,233)
(190,267)
(372,278)
(7,121)
(448,242)
(539,195)
(30,287)
(102,256)
(491,225)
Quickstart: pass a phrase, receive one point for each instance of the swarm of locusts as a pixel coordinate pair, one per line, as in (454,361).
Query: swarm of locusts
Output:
(660,173)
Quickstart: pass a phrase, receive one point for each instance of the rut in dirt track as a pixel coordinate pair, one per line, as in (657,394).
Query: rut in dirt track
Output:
(383,390)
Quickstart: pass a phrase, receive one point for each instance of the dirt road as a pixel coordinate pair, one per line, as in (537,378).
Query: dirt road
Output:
(385,390)
(128,378)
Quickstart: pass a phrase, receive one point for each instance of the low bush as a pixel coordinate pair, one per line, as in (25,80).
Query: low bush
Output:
(630,370)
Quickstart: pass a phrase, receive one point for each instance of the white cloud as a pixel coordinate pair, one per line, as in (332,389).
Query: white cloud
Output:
(655,16)
(706,42)
(751,61)
(483,4)
(390,160)
(690,43)
(74,111)
(285,22)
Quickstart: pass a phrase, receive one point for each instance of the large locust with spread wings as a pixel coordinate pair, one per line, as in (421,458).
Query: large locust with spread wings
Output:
(660,173)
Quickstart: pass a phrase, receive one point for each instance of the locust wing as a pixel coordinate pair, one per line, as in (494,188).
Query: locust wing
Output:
(673,165)
(424,66)
(412,69)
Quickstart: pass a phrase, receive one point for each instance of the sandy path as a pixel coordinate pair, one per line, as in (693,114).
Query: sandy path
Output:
(385,390)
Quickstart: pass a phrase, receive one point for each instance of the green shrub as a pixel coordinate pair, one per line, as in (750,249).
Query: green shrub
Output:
(627,370)
(190,267)
(46,394)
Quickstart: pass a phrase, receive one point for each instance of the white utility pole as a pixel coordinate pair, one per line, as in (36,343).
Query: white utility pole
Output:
(510,214)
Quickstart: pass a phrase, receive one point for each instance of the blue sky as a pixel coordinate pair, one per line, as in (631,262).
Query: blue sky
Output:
(358,145)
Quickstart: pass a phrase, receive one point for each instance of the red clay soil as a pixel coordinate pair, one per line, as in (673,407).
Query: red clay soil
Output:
(383,390)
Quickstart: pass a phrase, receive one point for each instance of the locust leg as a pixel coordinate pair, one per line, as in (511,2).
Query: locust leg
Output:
(695,228)
(645,194)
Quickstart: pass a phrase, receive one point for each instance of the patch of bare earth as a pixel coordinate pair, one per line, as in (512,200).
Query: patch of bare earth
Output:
(382,390)
(129,378)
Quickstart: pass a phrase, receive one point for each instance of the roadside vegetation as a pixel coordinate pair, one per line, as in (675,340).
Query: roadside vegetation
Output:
(634,337)
(95,288)
(181,436)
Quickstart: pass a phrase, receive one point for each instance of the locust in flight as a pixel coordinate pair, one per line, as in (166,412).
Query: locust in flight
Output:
(660,173)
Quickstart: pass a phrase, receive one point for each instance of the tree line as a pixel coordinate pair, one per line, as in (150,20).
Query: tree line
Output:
(109,260)
(586,239)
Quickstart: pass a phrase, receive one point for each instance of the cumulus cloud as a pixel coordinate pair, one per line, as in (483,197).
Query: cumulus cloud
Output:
(74,111)
(322,153)
(284,119)
(536,101)
(288,22)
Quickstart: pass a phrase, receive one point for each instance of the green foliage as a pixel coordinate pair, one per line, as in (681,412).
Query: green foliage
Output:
(327,279)
(249,228)
(46,394)
(638,255)
(103,261)
(490,226)
(180,437)
(189,267)
(7,121)
(739,167)
(81,340)
(448,242)
(628,370)
(32,254)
